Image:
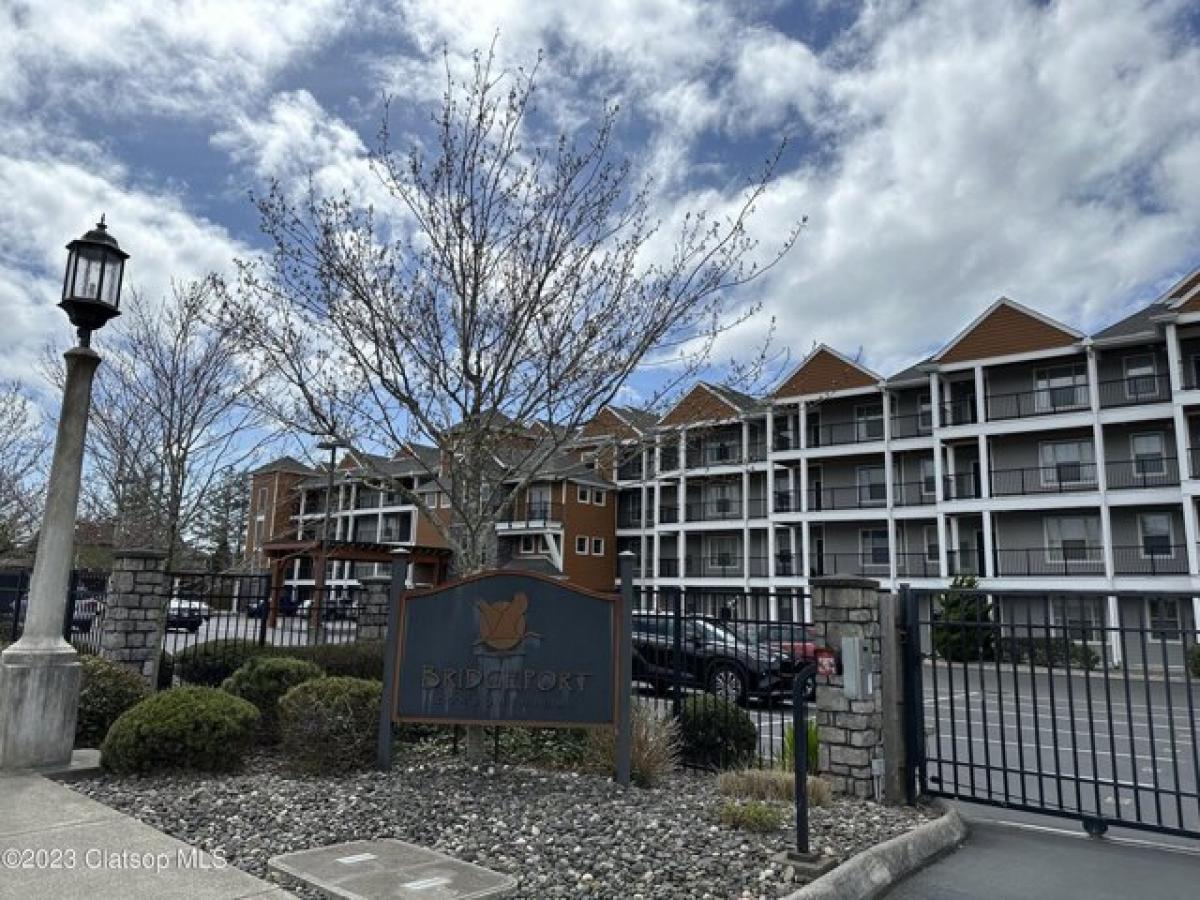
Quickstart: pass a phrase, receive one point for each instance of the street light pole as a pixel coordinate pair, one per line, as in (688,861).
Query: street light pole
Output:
(331,444)
(40,673)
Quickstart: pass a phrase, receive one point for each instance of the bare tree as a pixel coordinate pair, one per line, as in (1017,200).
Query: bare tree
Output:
(169,419)
(23,445)
(509,281)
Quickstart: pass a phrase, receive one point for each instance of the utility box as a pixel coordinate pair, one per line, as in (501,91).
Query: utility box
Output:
(858,669)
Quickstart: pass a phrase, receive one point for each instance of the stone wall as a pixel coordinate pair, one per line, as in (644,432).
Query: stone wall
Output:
(135,611)
(850,730)
(373,607)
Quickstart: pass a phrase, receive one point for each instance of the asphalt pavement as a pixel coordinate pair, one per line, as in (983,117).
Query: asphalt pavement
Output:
(1007,857)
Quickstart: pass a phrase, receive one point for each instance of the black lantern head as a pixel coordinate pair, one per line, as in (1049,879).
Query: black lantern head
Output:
(92,285)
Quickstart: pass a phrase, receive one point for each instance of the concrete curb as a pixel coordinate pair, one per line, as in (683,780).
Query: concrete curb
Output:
(870,873)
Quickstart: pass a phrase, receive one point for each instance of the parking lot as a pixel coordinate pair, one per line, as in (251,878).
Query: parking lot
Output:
(1122,747)
(289,630)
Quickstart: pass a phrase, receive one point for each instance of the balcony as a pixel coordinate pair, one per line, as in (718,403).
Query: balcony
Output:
(1161,559)
(915,493)
(725,509)
(912,425)
(668,514)
(532,514)
(367,500)
(840,433)
(959,412)
(1082,560)
(1037,402)
(717,565)
(1134,389)
(873,564)
(785,440)
(631,470)
(786,565)
(1146,472)
(963,562)
(1064,478)
(962,486)
(787,501)
(1194,457)
(859,496)
(668,568)
(629,518)
(917,565)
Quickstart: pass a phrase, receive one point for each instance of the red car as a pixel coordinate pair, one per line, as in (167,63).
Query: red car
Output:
(788,639)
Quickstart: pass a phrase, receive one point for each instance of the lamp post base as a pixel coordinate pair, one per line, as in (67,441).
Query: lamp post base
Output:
(39,698)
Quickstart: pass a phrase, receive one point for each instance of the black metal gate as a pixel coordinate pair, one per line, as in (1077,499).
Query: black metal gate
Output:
(82,617)
(1072,704)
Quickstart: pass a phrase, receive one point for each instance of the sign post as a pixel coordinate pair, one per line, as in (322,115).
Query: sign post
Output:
(383,746)
(625,670)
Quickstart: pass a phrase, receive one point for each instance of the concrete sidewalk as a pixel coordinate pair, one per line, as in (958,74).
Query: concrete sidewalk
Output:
(56,843)
(1016,860)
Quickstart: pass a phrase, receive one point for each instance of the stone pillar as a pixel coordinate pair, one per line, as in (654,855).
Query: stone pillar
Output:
(134,621)
(373,607)
(850,729)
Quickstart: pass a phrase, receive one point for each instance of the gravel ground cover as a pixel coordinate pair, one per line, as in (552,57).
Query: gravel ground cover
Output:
(560,834)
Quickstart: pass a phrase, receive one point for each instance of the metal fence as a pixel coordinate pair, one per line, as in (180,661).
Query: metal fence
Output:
(86,600)
(205,608)
(1067,703)
(728,661)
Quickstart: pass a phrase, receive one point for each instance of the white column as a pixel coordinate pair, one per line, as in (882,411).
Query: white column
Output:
(1113,618)
(980,396)
(803,483)
(771,558)
(805,547)
(745,441)
(1181,444)
(939,469)
(985,469)
(803,425)
(988,545)
(889,486)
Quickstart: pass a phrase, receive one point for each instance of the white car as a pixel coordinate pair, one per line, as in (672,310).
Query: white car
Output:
(187,614)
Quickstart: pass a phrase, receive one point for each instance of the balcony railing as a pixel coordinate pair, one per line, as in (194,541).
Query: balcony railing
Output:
(912,425)
(1062,561)
(871,563)
(630,471)
(531,513)
(962,486)
(785,440)
(722,510)
(1146,472)
(1194,457)
(786,564)
(959,412)
(963,562)
(668,513)
(714,455)
(1037,402)
(1135,389)
(629,518)
(837,433)
(1152,559)
(1063,478)
(917,565)
(714,566)
(914,493)
(788,501)
(860,496)
(668,568)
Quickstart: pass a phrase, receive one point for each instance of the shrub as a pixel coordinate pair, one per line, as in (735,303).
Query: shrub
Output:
(211,662)
(329,724)
(1050,652)
(262,680)
(771,784)
(751,815)
(654,746)
(1194,661)
(964,628)
(716,734)
(555,748)
(183,728)
(787,753)
(360,659)
(106,691)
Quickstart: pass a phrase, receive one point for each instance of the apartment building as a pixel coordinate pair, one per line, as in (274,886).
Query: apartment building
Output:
(1023,453)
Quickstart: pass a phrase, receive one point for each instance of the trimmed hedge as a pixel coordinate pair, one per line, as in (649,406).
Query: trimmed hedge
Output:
(106,691)
(183,728)
(262,680)
(211,662)
(1194,661)
(716,734)
(166,670)
(360,659)
(330,724)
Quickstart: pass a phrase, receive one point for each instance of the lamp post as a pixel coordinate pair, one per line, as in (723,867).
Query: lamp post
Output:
(40,673)
(332,444)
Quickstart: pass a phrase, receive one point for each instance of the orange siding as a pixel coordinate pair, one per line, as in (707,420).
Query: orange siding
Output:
(588,520)
(699,405)
(607,423)
(822,373)
(1007,331)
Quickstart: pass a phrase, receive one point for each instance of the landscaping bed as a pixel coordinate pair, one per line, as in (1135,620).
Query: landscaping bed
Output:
(561,834)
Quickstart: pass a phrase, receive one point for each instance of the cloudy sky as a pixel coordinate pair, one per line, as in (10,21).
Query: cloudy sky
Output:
(944,153)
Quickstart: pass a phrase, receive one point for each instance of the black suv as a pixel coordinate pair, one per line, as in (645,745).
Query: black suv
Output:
(712,658)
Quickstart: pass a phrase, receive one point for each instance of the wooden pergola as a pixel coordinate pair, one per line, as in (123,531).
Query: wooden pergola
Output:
(281,552)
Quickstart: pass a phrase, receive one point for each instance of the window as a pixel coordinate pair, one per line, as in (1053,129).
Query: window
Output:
(873,546)
(872,490)
(1141,376)
(868,422)
(598,497)
(585,495)
(445,499)
(718,451)
(931,543)
(597,546)
(1080,618)
(1072,538)
(1059,388)
(1067,462)
(928,477)
(1163,613)
(581,545)
(537,505)
(724,498)
(723,551)
(924,413)
(1154,530)
(531,543)
(262,501)
(1149,453)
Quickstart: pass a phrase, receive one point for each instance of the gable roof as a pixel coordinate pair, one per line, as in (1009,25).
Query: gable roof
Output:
(705,403)
(635,417)
(1184,295)
(1138,324)
(1005,328)
(284,464)
(917,373)
(825,370)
